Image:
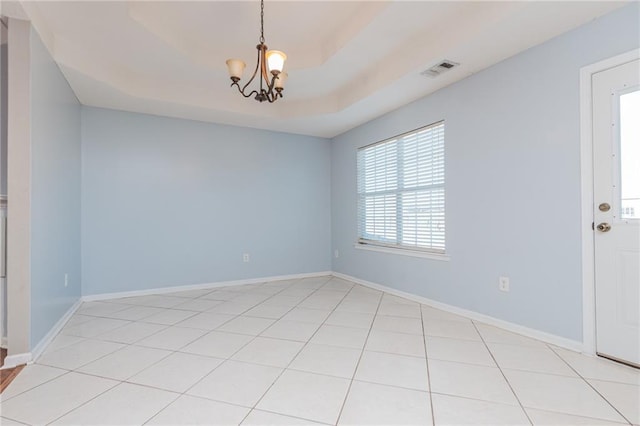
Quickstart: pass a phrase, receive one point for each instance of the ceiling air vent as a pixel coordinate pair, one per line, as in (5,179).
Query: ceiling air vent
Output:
(441,67)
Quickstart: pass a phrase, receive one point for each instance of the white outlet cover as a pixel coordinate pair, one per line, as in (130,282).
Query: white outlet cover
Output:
(503,283)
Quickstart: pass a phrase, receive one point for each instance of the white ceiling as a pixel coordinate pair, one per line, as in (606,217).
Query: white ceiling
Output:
(348,62)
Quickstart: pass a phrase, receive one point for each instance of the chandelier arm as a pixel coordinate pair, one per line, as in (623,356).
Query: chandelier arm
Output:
(273,96)
(242,91)
(253,92)
(277,95)
(255,71)
(261,66)
(263,69)
(272,85)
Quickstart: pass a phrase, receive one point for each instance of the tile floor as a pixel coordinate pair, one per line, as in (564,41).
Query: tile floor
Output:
(310,351)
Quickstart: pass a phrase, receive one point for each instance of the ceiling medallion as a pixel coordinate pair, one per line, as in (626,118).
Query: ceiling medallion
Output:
(270,64)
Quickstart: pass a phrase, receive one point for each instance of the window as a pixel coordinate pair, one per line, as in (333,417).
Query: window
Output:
(401,191)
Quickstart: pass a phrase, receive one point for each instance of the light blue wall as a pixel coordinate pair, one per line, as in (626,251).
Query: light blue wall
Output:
(55,196)
(170,202)
(513,184)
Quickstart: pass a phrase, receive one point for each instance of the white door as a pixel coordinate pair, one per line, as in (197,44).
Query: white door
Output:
(616,157)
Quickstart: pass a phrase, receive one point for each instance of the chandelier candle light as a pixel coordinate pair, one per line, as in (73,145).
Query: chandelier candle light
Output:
(270,63)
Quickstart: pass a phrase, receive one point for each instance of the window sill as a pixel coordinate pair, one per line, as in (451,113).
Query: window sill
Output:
(403,252)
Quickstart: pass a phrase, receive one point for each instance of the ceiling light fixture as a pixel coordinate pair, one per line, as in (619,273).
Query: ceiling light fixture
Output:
(270,64)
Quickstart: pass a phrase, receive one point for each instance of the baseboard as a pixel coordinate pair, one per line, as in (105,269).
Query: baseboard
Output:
(3,343)
(53,332)
(12,361)
(164,290)
(19,359)
(25,358)
(562,342)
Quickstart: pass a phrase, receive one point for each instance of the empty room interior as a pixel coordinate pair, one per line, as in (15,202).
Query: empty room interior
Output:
(271,212)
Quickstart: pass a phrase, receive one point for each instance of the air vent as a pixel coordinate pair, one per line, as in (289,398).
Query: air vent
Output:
(436,70)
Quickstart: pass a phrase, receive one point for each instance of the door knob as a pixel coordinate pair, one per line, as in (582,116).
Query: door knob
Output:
(604,227)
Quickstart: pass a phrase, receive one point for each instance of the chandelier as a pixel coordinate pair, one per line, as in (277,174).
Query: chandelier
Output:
(270,64)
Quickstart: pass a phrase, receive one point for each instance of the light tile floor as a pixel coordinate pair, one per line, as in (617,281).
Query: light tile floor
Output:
(310,351)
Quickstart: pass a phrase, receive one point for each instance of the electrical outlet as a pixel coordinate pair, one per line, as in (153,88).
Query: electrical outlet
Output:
(245,257)
(336,253)
(66,279)
(503,283)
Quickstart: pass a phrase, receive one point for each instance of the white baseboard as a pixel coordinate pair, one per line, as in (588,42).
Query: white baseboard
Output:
(44,342)
(164,290)
(29,357)
(12,361)
(562,342)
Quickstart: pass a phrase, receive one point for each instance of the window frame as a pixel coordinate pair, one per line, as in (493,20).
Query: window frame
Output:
(398,248)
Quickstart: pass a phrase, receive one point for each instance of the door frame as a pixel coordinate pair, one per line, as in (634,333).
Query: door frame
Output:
(587,219)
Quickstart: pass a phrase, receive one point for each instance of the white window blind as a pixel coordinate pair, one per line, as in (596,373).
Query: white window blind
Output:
(401,191)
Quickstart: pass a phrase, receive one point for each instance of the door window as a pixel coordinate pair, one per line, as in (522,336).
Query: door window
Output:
(630,155)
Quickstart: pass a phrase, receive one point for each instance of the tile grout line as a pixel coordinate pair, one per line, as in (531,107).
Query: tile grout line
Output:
(355,371)
(238,350)
(27,390)
(229,358)
(591,386)
(426,357)
(285,368)
(502,372)
(174,307)
(125,345)
(14,420)
(84,403)
(167,326)
(314,291)
(174,351)
(301,349)
(119,382)
(184,393)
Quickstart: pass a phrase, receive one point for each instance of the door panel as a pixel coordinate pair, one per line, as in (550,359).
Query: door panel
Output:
(616,139)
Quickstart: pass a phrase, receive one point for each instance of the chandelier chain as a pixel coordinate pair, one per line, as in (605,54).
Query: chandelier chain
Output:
(261,21)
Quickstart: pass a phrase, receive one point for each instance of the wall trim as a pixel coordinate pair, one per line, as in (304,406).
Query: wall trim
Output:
(53,332)
(509,326)
(19,185)
(586,191)
(29,357)
(173,289)
(18,359)
(15,360)
(403,252)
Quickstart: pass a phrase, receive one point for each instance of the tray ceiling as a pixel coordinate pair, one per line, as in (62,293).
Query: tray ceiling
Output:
(348,62)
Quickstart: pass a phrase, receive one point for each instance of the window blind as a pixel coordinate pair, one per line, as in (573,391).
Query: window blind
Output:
(401,194)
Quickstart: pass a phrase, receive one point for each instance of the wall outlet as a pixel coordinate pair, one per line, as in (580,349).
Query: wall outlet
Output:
(503,283)
(336,253)
(66,279)
(245,257)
